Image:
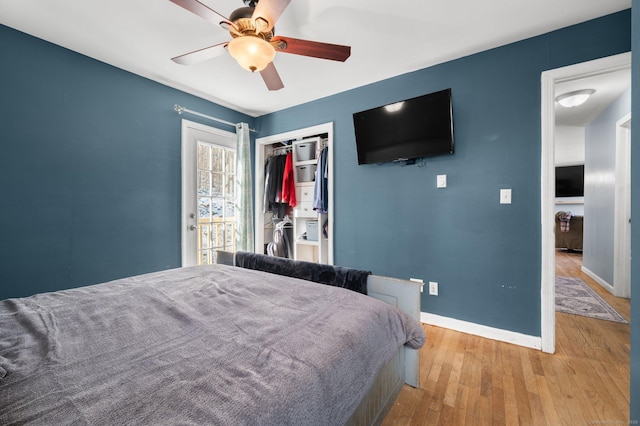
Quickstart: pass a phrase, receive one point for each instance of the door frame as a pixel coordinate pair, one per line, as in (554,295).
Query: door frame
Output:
(191,131)
(549,79)
(622,224)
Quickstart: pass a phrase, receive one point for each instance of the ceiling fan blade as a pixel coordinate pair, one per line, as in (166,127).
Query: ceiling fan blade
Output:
(333,52)
(201,55)
(204,11)
(271,77)
(269,11)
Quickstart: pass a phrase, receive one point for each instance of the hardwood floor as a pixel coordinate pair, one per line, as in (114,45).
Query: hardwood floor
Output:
(469,380)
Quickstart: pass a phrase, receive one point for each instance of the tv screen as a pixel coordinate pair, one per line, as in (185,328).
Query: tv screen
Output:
(413,128)
(570,181)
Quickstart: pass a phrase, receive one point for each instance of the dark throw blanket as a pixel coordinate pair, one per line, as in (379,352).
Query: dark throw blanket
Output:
(349,278)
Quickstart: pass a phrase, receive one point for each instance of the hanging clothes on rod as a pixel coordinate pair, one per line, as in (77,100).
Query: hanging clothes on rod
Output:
(279,189)
(288,182)
(321,187)
(273,171)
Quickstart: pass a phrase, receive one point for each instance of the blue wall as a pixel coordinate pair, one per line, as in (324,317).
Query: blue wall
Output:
(89,169)
(635,207)
(392,219)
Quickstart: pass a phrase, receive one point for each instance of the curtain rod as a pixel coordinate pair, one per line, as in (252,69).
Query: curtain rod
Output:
(180,109)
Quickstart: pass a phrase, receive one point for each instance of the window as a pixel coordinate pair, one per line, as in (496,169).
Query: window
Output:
(216,200)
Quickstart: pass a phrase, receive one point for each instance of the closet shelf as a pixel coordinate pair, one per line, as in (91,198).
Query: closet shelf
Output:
(307,242)
(304,163)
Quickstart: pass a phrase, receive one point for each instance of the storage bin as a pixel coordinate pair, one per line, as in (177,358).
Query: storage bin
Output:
(306,173)
(305,151)
(312,230)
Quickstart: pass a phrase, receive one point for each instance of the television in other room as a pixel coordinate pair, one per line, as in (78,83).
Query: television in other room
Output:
(570,181)
(406,130)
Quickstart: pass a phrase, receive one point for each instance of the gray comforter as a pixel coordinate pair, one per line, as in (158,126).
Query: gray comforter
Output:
(202,345)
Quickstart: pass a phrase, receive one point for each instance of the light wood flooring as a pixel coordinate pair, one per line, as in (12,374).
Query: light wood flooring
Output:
(469,380)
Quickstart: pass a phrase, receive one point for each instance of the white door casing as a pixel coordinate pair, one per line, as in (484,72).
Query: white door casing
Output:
(549,79)
(193,132)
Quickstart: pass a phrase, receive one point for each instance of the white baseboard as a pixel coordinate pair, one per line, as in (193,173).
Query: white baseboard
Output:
(501,335)
(599,280)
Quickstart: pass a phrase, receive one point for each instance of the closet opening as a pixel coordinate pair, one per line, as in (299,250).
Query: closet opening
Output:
(294,194)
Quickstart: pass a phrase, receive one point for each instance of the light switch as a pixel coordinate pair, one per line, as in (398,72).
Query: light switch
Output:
(505,196)
(441,181)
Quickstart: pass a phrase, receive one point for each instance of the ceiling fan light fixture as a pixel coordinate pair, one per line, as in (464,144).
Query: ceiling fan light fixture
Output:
(574,99)
(252,53)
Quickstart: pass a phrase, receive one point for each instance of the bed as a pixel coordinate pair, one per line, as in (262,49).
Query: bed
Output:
(215,344)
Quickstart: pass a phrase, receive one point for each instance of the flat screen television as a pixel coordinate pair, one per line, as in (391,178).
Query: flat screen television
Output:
(405,130)
(570,181)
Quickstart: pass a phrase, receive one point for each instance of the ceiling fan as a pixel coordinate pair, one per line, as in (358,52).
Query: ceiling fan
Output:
(253,43)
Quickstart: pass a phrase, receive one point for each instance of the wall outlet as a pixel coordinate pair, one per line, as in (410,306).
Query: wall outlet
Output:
(505,196)
(441,181)
(433,288)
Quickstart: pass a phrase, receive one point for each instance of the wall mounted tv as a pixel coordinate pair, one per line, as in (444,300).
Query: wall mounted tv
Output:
(406,130)
(570,181)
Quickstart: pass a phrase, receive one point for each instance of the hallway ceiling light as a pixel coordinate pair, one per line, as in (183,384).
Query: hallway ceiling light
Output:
(574,99)
(394,107)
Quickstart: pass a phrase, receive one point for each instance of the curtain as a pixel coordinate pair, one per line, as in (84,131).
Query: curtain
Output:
(244,197)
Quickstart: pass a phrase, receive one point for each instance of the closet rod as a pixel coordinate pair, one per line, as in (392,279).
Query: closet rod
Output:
(282,148)
(180,109)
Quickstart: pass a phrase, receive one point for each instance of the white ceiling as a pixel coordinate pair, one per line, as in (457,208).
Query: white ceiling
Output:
(388,38)
(608,87)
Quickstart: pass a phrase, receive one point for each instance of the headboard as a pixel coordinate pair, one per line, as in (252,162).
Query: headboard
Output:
(403,294)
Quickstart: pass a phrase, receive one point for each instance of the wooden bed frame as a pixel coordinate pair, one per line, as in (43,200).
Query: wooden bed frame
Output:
(403,368)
